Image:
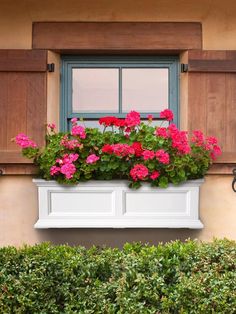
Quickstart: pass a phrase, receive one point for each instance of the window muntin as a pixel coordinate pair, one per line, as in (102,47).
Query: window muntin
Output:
(129,79)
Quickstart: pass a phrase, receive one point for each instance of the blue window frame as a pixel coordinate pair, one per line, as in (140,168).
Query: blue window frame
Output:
(122,65)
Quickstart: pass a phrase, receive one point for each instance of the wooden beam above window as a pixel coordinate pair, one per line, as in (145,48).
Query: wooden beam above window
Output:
(117,36)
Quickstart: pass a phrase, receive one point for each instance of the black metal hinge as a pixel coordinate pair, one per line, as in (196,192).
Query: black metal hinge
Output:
(234,180)
(184,67)
(51,67)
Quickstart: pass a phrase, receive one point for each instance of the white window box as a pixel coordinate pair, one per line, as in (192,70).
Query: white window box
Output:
(111,204)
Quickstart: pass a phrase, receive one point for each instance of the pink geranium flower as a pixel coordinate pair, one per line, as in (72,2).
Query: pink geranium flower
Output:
(154,175)
(132,119)
(148,154)
(66,165)
(52,126)
(78,130)
(167,115)
(74,121)
(216,152)
(162,156)
(91,159)
(198,138)
(54,170)
(179,139)
(24,141)
(68,170)
(70,144)
(162,132)
(139,172)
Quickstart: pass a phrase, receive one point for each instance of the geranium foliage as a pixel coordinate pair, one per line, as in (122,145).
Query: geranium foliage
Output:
(125,149)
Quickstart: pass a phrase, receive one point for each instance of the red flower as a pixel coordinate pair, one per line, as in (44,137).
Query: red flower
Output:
(108,121)
(122,149)
(120,123)
(167,115)
(107,148)
(137,146)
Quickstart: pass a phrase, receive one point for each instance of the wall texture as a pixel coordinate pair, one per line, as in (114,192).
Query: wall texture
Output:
(18,197)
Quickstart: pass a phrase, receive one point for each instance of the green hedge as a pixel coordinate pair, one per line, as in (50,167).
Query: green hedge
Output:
(172,278)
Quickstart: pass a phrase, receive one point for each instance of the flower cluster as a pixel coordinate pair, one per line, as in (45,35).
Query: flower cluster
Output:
(132,119)
(132,150)
(167,115)
(91,159)
(78,130)
(209,143)
(24,141)
(139,172)
(65,166)
(70,144)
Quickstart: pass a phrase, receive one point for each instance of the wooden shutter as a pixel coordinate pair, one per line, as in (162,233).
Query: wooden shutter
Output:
(22,104)
(212,101)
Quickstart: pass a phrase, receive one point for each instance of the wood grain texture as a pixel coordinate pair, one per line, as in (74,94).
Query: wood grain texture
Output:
(23,110)
(13,157)
(116,36)
(212,61)
(211,104)
(3,108)
(226,168)
(230,112)
(23,60)
(19,169)
(197,102)
(216,107)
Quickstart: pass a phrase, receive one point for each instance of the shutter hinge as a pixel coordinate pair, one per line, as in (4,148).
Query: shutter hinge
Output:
(50,67)
(234,180)
(184,67)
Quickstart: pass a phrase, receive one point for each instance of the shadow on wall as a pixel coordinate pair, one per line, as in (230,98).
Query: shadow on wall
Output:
(114,237)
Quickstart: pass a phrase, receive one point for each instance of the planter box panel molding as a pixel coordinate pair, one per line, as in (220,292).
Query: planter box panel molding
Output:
(111,204)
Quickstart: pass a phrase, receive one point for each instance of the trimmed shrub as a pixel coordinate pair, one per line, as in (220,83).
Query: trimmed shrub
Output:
(176,277)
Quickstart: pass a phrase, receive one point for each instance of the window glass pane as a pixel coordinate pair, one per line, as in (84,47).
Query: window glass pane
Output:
(144,90)
(95,90)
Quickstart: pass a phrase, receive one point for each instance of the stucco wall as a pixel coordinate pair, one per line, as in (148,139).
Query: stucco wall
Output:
(217,16)
(18,198)
(18,213)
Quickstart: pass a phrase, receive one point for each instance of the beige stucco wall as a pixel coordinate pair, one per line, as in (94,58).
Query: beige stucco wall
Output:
(18,213)
(217,16)
(18,195)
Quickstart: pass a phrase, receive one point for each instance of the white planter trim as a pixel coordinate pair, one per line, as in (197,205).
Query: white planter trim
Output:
(111,204)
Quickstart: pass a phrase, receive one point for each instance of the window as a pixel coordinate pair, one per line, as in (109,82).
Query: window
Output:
(95,86)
